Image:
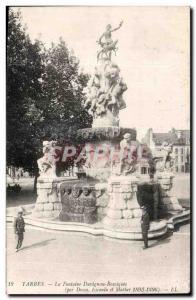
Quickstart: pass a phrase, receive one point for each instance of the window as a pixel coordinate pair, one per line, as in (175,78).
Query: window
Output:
(182,168)
(143,170)
(176,150)
(176,169)
(182,159)
(176,158)
(182,150)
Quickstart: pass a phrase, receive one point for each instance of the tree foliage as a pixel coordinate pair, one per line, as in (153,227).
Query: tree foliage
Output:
(44,94)
(62,93)
(24,70)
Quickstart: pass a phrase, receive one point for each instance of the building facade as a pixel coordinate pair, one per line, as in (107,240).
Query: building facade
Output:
(180,139)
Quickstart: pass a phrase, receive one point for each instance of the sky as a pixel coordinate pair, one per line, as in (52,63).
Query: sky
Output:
(153,55)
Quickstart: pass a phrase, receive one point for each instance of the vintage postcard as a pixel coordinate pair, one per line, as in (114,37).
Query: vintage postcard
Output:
(98,150)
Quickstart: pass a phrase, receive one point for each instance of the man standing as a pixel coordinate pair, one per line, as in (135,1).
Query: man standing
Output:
(19,229)
(145,225)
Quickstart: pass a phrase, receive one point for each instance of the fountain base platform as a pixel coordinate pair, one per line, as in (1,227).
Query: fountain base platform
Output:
(120,231)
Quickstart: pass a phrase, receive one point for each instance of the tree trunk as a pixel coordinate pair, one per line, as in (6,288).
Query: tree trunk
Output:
(35,182)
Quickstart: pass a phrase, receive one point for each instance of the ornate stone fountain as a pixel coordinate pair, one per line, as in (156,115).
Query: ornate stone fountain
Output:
(108,201)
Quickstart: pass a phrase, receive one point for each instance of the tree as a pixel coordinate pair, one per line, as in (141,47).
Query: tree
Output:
(24,70)
(62,87)
(44,95)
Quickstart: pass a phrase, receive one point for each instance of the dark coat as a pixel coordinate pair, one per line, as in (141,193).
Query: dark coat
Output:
(145,222)
(19,225)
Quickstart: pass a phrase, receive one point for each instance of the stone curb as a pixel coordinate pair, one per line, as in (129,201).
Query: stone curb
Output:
(99,229)
(96,229)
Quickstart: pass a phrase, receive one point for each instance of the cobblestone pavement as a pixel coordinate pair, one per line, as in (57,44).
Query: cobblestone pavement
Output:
(55,258)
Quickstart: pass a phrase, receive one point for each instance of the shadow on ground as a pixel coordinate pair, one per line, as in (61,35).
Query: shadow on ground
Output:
(36,245)
(177,226)
(162,240)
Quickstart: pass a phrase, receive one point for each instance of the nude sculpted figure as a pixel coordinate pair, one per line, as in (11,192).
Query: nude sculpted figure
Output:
(107,43)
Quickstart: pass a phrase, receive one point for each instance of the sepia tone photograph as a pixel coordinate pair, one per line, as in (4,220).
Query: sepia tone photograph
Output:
(98,151)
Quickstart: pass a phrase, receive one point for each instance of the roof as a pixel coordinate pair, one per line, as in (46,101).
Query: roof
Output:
(176,137)
(185,133)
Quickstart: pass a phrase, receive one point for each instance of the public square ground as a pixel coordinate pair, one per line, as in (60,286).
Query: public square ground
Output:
(56,259)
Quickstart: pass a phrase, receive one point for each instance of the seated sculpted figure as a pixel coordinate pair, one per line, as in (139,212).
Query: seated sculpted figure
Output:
(164,159)
(168,157)
(47,163)
(128,160)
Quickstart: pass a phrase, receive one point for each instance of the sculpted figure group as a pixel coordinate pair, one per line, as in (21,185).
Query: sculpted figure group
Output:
(105,88)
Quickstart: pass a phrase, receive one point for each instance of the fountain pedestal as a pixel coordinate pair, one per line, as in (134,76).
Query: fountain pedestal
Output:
(102,145)
(48,204)
(169,202)
(123,205)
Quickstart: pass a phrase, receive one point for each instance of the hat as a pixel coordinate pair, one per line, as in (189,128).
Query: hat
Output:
(127,136)
(20,210)
(143,207)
